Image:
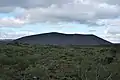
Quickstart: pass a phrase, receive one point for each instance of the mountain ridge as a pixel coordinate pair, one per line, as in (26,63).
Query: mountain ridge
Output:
(55,38)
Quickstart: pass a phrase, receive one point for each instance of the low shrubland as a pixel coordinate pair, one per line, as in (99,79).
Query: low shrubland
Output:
(47,62)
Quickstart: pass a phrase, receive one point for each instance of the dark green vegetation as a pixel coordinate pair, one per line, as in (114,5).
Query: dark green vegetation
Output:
(35,62)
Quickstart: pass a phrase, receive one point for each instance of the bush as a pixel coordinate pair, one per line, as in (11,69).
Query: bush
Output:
(47,62)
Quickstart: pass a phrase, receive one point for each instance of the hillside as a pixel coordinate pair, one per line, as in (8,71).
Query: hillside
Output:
(5,41)
(55,38)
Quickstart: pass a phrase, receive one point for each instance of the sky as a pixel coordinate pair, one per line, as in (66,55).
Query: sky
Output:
(20,18)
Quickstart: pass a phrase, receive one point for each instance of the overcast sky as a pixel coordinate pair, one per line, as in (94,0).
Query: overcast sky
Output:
(27,17)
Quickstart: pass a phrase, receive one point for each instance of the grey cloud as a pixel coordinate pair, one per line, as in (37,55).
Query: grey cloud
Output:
(113,2)
(14,34)
(113,32)
(63,10)
(113,38)
(6,9)
(46,3)
(31,3)
(81,13)
(11,21)
(13,3)
(92,30)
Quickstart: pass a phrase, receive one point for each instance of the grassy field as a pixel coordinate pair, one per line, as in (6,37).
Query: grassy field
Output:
(37,62)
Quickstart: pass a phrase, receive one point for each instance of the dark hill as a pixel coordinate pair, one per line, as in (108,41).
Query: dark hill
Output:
(5,41)
(55,38)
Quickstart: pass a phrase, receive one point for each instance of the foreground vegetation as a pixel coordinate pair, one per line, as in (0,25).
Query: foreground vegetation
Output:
(35,62)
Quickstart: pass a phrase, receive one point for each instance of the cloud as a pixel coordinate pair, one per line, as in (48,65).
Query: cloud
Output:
(112,33)
(113,2)
(6,9)
(83,13)
(109,22)
(11,22)
(31,3)
(113,38)
(80,11)
(18,19)
(113,30)
(14,34)
(46,3)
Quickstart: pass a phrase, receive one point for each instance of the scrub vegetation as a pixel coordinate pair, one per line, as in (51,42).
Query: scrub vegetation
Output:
(47,62)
